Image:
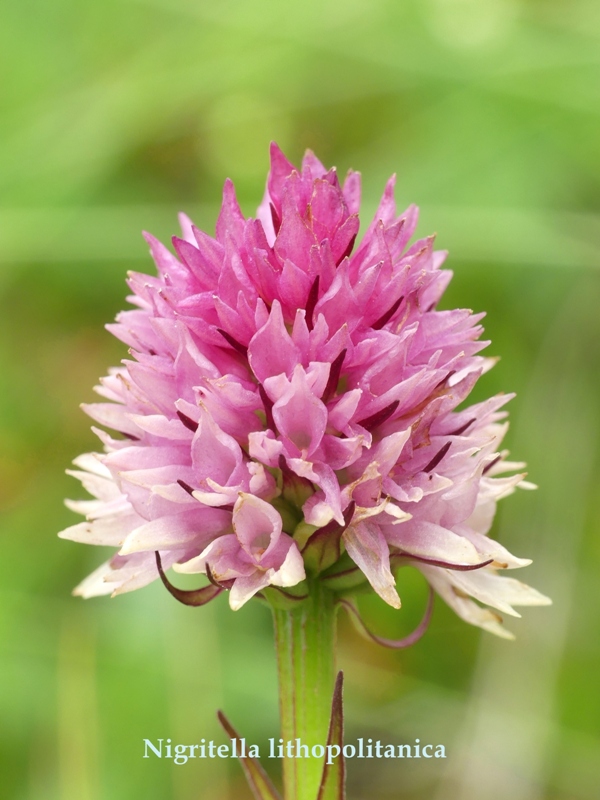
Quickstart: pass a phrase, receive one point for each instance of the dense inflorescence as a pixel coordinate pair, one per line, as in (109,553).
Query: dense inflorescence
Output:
(290,406)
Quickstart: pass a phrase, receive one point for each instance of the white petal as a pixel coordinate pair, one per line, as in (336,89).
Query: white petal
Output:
(497,591)
(220,495)
(427,540)
(94,509)
(173,492)
(109,531)
(102,488)
(158,425)
(245,588)
(291,571)
(94,585)
(384,507)
(369,551)
(197,564)
(91,462)
(466,608)
(112,415)
(503,558)
(317,510)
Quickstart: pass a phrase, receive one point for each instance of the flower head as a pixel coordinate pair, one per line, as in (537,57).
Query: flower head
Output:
(291,404)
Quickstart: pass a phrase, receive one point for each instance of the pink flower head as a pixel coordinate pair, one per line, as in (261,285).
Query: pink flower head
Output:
(291,401)
(258,554)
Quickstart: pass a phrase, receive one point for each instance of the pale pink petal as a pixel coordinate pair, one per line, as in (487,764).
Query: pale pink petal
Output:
(187,529)
(427,540)
(466,608)
(106,531)
(368,549)
(291,570)
(245,588)
(257,525)
(300,416)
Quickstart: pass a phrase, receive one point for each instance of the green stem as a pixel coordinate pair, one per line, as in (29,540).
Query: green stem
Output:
(305,641)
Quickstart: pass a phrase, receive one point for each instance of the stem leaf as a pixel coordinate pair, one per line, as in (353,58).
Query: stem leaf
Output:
(333,782)
(257,778)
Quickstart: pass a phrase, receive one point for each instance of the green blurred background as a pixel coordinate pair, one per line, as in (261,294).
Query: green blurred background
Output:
(115,116)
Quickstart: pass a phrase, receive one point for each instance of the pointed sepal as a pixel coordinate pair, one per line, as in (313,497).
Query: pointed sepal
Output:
(392,644)
(189,597)
(324,547)
(257,778)
(284,599)
(333,781)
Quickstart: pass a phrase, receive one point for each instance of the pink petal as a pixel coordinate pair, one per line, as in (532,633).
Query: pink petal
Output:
(291,570)
(257,526)
(351,191)
(299,415)
(188,529)
(245,588)
(368,549)
(271,350)
(427,540)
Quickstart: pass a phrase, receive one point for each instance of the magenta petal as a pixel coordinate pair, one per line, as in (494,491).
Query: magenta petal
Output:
(231,221)
(351,191)
(344,238)
(211,252)
(316,168)
(271,350)
(328,209)
(294,240)
(280,170)
(163,258)
(299,415)
(338,304)
(293,287)
(190,255)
